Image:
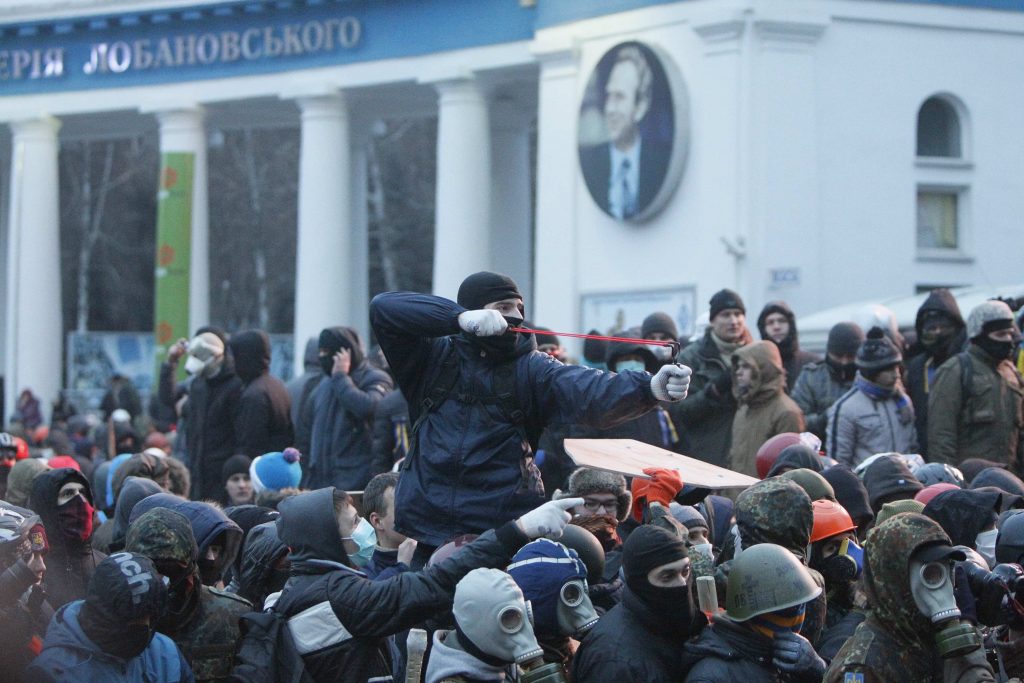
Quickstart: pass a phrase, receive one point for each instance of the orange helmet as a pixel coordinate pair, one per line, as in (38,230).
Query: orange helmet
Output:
(830,519)
(769,451)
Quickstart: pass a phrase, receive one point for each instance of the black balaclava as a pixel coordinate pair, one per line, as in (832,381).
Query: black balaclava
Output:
(480,289)
(124,587)
(251,351)
(646,548)
(334,339)
(844,338)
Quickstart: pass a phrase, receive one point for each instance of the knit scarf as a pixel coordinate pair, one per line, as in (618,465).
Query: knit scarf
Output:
(726,349)
(880,393)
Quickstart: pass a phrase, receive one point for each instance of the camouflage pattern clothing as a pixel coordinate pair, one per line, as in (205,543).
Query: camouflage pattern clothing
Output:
(202,621)
(778,511)
(895,642)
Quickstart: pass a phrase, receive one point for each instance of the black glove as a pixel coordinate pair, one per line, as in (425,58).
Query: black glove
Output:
(962,590)
(721,387)
(794,654)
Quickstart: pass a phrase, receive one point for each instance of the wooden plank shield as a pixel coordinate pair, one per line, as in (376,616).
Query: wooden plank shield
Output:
(629,457)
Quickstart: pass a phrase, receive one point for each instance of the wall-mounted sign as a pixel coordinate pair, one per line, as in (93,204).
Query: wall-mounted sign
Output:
(633,131)
(611,312)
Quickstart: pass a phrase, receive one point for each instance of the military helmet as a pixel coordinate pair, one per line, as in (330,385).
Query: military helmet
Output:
(939,473)
(766,578)
(1010,541)
(588,548)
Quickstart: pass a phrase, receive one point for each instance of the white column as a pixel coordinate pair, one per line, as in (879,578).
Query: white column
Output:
(511,215)
(323,270)
(359,282)
(34,325)
(463,206)
(182,130)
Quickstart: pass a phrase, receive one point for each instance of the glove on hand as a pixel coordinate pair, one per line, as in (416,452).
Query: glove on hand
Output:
(794,654)
(549,519)
(662,487)
(722,386)
(671,382)
(483,323)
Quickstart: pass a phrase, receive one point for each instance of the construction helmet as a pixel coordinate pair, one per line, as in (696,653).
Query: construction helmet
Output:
(766,578)
(830,519)
(769,451)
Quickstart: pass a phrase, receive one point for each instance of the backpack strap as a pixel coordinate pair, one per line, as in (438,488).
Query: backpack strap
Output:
(966,373)
(446,379)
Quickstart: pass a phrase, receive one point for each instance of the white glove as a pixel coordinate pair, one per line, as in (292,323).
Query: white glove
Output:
(549,519)
(483,323)
(671,383)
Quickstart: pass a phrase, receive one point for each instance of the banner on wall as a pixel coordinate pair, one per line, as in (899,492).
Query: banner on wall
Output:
(173,252)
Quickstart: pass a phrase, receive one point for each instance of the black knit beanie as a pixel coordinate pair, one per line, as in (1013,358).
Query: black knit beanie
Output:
(724,299)
(659,322)
(886,476)
(480,289)
(845,338)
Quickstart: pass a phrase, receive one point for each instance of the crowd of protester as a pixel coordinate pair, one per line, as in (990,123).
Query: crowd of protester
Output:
(410,513)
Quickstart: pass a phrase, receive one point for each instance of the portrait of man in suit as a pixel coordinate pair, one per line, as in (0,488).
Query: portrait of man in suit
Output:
(625,167)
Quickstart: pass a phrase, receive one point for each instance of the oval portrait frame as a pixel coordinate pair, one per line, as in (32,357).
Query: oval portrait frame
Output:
(664,131)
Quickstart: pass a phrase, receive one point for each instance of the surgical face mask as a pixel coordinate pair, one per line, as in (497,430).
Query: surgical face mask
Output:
(493,620)
(637,365)
(985,544)
(366,538)
(576,614)
(193,365)
(662,353)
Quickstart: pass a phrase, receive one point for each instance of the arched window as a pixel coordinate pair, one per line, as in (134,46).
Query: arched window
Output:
(938,129)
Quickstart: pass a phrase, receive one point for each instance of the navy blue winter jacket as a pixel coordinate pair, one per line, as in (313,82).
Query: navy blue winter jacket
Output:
(473,470)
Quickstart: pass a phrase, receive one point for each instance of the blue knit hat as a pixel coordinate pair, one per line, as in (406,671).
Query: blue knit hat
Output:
(540,569)
(276,471)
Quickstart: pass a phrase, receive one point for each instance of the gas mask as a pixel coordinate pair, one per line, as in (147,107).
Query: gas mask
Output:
(554,579)
(492,619)
(576,613)
(366,538)
(985,544)
(845,566)
(931,584)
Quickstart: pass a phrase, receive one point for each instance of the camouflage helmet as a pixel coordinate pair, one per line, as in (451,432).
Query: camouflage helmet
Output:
(162,534)
(767,578)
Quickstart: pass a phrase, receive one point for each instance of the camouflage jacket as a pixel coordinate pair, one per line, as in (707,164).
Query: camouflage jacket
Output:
(209,639)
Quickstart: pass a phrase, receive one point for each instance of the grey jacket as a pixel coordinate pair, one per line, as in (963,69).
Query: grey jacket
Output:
(815,391)
(860,426)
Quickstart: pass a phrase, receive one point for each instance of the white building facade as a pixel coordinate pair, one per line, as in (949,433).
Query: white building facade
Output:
(825,150)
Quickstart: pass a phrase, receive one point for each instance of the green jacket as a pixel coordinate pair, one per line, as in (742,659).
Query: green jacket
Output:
(979,416)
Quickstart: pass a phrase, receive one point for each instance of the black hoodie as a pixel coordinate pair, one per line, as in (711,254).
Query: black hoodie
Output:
(793,358)
(923,362)
(263,423)
(69,564)
(963,514)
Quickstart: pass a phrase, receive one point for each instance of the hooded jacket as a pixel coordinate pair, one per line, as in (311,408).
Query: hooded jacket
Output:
(206,628)
(263,422)
(19,482)
(69,564)
(133,490)
(1000,479)
(338,618)
(894,643)
(341,450)
(449,662)
(860,426)
(209,525)
(850,493)
(473,469)
(764,410)
(704,419)
(69,656)
(796,457)
(923,365)
(984,412)
(626,646)
(886,476)
(963,514)
(263,548)
(793,357)
(728,651)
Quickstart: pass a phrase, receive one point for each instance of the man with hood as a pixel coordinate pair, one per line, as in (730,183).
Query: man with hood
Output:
(913,630)
(341,444)
(265,566)
(19,485)
(941,334)
(202,621)
(24,611)
(641,639)
(837,556)
(209,414)
(111,634)
(876,415)
(852,495)
(63,500)
(263,422)
(9,454)
(821,384)
(980,395)
(134,490)
(338,618)
(764,408)
(969,519)
(705,420)
(218,537)
(777,324)
(479,397)
(888,479)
